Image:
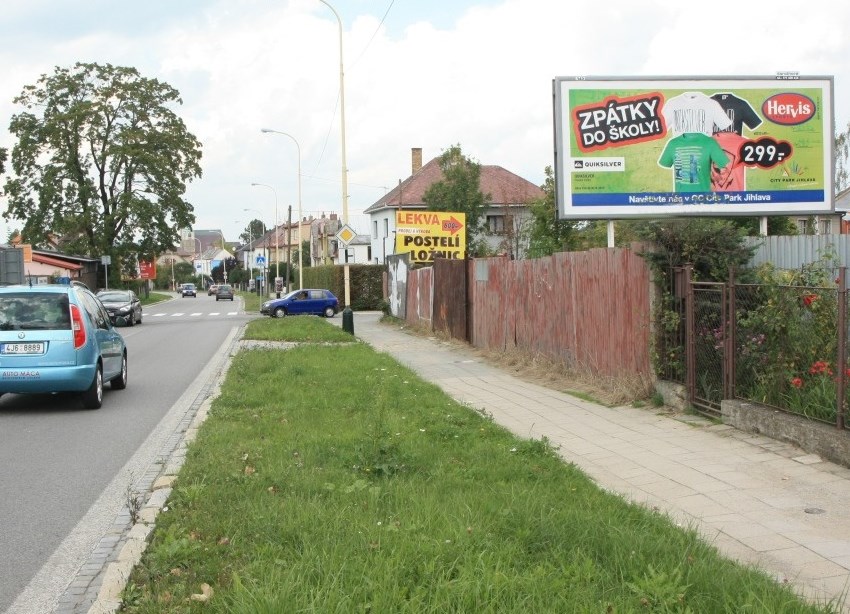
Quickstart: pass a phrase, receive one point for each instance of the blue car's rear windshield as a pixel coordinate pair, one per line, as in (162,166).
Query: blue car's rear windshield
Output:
(34,311)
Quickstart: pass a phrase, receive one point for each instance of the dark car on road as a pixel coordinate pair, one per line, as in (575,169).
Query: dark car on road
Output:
(318,302)
(224,292)
(122,306)
(188,290)
(58,338)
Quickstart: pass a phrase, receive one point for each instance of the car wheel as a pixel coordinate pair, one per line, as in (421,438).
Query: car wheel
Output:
(119,382)
(132,320)
(216,299)
(279,312)
(93,397)
(329,312)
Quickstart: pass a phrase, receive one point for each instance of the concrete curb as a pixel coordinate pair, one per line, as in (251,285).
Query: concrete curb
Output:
(118,572)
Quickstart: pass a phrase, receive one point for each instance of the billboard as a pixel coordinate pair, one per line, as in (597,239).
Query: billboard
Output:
(658,146)
(147,269)
(426,235)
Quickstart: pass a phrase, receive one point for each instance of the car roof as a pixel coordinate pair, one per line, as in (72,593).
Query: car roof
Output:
(18,288)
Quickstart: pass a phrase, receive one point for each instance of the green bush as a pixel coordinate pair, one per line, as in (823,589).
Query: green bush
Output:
(366,283)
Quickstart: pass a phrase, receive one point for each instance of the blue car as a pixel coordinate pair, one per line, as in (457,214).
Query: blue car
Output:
(299,302)
(58,338)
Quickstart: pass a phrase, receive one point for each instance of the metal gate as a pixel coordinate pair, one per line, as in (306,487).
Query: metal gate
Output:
(707,346)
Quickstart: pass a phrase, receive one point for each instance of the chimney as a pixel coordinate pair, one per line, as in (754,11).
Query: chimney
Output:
(416,159)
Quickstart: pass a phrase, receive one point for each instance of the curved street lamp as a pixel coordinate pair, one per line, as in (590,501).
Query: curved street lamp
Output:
(276,233)
(341,117)
(300,256)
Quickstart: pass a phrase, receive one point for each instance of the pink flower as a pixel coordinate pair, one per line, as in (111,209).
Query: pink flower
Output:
(797,382)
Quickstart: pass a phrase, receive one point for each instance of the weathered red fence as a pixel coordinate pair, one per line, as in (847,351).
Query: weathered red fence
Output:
(420,296)
(450,303)
(586,308)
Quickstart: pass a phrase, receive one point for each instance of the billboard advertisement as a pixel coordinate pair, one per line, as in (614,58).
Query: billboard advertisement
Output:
(147,269)
(426,235)
(658,146)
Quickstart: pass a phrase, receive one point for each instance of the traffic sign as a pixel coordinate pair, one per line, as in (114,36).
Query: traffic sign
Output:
(346,234)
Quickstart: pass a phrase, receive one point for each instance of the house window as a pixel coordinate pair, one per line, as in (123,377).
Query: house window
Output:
(496,224)
(826,227)
(386,227)
(375,229)
(802,225)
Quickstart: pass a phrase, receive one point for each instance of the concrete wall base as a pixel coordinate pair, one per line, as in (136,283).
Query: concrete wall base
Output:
(826,441)
(674,395)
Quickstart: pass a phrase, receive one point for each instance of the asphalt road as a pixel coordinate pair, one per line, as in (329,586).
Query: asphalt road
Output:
(65,471)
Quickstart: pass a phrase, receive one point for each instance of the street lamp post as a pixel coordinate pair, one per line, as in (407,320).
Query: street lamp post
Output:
(298,147)
(342,130)
(250,241)
(194,261)
(224,261)
(276,233)
(341,117)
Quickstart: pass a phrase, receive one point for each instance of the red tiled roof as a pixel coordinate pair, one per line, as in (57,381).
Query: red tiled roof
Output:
(62,264)
(504,187)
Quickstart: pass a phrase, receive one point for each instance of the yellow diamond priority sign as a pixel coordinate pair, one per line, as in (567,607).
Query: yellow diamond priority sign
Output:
(346,234)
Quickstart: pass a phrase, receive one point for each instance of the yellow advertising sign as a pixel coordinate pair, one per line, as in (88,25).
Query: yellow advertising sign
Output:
(426,235)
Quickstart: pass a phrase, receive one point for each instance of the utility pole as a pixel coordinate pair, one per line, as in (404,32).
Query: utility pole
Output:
(288,245)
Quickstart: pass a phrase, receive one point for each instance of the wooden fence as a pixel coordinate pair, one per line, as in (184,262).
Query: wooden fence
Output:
(589,309)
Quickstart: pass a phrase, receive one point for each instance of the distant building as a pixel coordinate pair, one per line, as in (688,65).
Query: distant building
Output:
(506,218)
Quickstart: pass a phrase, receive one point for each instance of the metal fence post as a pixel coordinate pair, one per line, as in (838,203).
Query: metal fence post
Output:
(842,347)
(690,336)
(730,325)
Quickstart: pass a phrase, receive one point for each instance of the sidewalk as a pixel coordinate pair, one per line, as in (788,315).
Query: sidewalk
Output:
(757,500)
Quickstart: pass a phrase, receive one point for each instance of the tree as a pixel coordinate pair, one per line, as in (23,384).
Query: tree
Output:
(547,234)
(459,190)
(842,160)
(253,231)
(711,245)
(102,162)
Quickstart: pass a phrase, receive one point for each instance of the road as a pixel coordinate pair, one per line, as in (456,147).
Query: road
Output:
(66,470)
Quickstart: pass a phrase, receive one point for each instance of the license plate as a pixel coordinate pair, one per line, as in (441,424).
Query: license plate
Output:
(22,348)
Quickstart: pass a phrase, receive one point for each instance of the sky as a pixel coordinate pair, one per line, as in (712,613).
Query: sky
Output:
(425,74)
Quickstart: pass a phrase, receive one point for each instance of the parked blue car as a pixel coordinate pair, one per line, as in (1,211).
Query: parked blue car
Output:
(298,302)
(58,338)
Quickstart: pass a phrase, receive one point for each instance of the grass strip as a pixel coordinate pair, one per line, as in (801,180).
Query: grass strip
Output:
(332,479)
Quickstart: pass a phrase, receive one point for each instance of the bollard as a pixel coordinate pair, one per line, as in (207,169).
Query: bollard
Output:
(348,320)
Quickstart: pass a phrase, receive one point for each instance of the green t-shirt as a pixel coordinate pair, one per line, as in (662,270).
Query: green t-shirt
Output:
(690,156)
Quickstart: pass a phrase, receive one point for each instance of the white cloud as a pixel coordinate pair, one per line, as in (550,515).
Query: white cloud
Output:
(433,74)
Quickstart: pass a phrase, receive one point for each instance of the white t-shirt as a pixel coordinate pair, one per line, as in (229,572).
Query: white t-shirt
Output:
(694,112)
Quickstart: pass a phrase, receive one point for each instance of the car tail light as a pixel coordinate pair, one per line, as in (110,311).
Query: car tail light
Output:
(78,327)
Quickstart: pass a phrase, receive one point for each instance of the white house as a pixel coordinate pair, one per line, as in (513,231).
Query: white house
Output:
(506,216)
